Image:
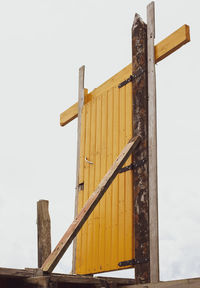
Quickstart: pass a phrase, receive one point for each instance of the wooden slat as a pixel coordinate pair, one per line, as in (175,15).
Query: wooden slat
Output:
(164,48)
(80,108)
(44,231)
(77,224)
(172,43)
(140,127)
(72,113)
(152,147)
(69,115)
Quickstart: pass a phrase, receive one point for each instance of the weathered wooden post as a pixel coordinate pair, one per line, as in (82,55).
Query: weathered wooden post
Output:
(140,127)
(44,231)
(152,147)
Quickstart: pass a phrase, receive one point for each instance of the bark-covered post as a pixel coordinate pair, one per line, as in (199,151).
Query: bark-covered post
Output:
(140,127)
(44,231)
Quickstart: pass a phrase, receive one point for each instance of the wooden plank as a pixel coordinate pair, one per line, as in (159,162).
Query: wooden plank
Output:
(69,115)
(43,231)
(140,127)
(15,273)
(152,147)
(80,108)
(172,43)
(38,282)
(186,283)
(163,49)
(77,224)
(72,113)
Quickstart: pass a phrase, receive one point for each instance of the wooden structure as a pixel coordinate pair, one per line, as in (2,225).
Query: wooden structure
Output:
(122,107)
(120,114)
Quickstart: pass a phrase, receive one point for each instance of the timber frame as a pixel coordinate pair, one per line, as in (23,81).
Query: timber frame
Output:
(143,145)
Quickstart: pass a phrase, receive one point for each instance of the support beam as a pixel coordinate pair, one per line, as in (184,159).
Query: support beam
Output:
(140,127)
(172,43)
(163,49)
(72,113)
(89,206)
(80,108)
(152,148)
(44,231)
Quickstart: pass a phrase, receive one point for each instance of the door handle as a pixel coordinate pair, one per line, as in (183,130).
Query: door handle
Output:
(88,161)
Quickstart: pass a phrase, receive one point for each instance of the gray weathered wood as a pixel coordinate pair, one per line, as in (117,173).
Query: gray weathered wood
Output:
(80,107)
(152,147)
(44,231)
(89,206)
(186,283)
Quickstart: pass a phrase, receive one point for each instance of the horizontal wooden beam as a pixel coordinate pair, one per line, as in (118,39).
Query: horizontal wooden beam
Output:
(52,260)
(8,273)
(162,50)
(29,275)
(17,273)
(173,42)
(186,283)
(72,113)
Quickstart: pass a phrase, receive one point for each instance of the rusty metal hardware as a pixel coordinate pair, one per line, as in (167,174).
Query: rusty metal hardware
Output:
(133,262)
(133,165)
(81,186)
(138,73)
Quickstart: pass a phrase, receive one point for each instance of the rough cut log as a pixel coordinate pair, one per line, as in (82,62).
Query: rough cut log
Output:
(44,231)
(140,127)
(89,206)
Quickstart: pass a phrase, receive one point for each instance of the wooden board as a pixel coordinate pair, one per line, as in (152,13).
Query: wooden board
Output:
(107,237)
(162,50)
(89,206)
(152,147)
(44,231)
(80,108)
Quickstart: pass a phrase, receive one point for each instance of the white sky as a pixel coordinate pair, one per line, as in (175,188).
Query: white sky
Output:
(43,43)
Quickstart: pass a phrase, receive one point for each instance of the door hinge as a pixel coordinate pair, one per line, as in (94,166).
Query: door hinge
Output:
(81,186)
(132,77)
(133,165)
(133,262)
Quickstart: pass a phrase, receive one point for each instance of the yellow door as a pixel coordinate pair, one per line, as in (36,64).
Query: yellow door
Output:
(107,237)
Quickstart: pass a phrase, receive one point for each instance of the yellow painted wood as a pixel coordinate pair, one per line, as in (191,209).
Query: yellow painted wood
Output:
(72,112)
(163,49)
(172,43)
(107,237)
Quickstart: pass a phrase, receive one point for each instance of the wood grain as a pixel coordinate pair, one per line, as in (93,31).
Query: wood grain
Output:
(44,231)
(140,127)
(152,147)
(80,108)
(89,206)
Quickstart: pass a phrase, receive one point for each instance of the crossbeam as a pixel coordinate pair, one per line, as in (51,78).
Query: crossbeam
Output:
(89,206)
(163,49)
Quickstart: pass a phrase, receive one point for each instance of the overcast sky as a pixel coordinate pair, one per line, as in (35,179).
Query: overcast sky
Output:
(43,44)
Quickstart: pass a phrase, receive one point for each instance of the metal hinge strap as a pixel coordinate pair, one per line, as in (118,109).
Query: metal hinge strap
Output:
(133,262)
(138,73)
(133,165)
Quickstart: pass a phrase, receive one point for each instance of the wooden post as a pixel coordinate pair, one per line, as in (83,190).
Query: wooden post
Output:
(44,231)
(140,127)
(89,206)
(152,148)
(80,107)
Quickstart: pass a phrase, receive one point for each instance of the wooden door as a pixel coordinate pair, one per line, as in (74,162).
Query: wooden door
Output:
(107,237)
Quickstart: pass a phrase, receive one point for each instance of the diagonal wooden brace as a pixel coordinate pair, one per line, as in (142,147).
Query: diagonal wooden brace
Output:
(52,260)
